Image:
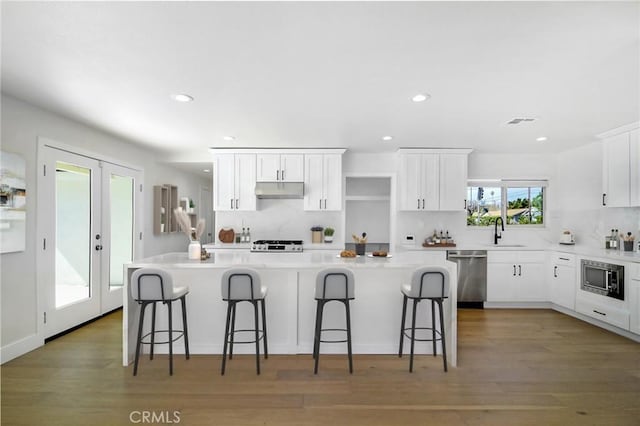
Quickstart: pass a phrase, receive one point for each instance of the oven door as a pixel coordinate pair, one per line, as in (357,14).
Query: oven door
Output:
(595,278)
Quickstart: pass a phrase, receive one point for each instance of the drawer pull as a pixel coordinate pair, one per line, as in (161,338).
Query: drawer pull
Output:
(563,258)
(600,313)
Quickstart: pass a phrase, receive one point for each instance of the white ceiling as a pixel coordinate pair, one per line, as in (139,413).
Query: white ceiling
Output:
(329,74)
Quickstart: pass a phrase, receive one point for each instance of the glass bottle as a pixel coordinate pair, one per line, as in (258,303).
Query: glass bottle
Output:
(248,234)
(243,236)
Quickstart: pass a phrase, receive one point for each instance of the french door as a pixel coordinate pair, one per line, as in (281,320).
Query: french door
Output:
(88,221)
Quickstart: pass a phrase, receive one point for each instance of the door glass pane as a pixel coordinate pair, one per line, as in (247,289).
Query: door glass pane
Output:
(73,234)
(121,228)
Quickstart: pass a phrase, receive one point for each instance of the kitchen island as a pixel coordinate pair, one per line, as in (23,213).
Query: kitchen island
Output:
(290,304)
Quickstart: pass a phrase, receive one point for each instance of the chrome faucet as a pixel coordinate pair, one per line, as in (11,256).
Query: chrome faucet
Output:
(495,230)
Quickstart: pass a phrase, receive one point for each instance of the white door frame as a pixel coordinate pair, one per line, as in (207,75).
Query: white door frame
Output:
(43,225)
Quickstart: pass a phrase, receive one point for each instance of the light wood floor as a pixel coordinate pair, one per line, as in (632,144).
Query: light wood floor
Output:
(516,367)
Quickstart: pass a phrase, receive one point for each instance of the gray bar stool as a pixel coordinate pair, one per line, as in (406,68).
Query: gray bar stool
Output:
(430,283)
(333,284)
(148,287)
(243,285)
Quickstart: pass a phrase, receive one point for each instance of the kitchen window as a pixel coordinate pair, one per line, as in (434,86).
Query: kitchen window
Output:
(517,202)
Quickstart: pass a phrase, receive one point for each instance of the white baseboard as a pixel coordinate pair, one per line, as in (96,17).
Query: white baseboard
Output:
(21,347)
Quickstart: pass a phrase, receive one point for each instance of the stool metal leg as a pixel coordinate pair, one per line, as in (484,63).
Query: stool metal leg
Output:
(139,341)
(153,329)
(264,330)
(413,332)
(433,326)
(233,328)
(170,338)
(257,331)
(226,337)
(318,333)
(184,325)
(402,322)
(346,304)
(442,335)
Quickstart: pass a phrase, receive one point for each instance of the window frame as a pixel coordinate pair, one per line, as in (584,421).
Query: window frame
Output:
(505,185)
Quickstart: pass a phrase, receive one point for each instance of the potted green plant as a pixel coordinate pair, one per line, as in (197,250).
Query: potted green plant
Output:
(192,206)
(328,234)
(316,234)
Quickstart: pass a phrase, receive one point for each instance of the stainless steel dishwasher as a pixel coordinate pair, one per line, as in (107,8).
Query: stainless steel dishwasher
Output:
(472,277)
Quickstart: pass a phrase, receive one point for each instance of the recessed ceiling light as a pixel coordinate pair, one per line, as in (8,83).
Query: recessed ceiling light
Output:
(421,97)
(541,139)
(207,171)
(183,98)
(229,138)
(387,138)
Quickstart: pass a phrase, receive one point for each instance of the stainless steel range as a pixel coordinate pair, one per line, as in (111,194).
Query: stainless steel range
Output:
(277,246)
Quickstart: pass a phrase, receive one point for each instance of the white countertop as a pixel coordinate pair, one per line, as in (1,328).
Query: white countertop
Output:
(308,259)
(579,250)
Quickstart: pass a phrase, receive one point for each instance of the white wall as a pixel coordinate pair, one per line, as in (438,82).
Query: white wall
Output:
(579,200)
(22,124)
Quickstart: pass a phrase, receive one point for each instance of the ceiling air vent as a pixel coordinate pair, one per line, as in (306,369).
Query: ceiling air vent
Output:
(520,120)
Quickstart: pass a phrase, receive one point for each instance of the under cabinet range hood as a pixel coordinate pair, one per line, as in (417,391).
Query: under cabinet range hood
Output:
(279,190)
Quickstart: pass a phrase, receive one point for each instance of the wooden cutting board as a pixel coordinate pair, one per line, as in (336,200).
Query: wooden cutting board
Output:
(226,235)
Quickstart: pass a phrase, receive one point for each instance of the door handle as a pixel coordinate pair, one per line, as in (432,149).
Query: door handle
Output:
(555,272)
(236,204)
(325,203)
(514,270)
(277,174)
(604,203)
(320,204)
(231,206)
(423,204)
(519,270)
(282,174)
(465,204)
(418,203)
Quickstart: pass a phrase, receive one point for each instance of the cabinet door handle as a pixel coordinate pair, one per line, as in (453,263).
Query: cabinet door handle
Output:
(555,272)
(604,203)
(600,313)
(277,174)
(564,258)
(231,207)
(465,204)
(325,203)
(514,270)
(423,204)
(519,270)
(418,203)
(282,174)
(236,204)
(320,204)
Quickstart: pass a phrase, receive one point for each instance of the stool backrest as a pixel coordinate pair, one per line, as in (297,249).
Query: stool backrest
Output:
(430,281)
(240,284)
(335,283)
(151,284)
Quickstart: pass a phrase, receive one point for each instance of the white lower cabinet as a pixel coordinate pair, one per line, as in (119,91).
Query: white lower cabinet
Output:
(516,276)
(563,280)
(603,310)
(634,299)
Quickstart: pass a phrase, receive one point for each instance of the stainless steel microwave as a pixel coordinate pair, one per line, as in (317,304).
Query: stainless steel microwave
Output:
(603,278)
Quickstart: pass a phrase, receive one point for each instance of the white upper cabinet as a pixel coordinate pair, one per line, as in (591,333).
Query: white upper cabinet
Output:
(621,169)
(322,182)
(234,182)
(280,168)
(431,179)
(453,181)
